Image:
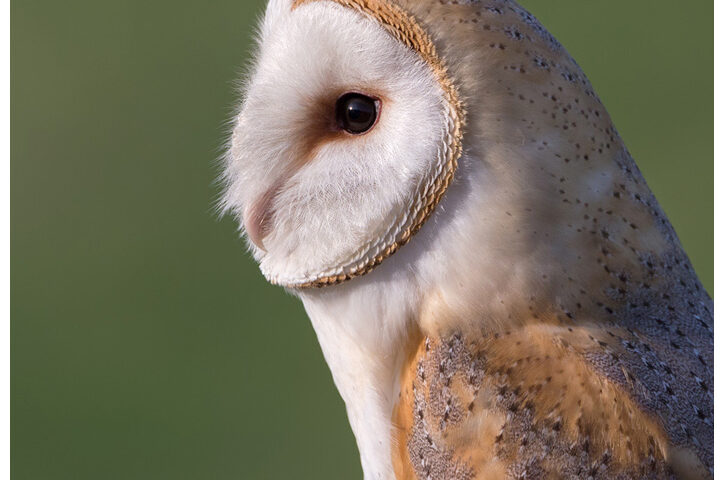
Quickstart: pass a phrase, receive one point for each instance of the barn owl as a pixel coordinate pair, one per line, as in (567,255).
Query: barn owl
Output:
(493,285)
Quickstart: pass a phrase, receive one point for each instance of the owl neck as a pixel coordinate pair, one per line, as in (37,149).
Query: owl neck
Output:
(363,327)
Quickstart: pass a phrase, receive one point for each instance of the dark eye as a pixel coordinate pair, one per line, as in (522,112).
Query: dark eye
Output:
(356,113)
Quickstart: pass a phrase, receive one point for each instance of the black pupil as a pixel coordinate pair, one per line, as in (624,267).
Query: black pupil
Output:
(356,113)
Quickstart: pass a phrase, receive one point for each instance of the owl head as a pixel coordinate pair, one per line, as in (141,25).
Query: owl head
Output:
(348,136)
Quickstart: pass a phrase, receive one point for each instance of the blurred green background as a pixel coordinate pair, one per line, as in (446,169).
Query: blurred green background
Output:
(145,344)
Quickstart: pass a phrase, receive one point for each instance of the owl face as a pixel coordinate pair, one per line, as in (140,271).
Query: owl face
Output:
(347,137)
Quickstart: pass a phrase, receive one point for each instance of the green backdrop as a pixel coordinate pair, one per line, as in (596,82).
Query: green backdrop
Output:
(145,344)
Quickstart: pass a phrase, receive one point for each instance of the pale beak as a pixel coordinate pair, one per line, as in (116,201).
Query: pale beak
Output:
(258,217)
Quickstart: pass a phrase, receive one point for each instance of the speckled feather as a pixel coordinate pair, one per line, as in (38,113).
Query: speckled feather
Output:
(624,344)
